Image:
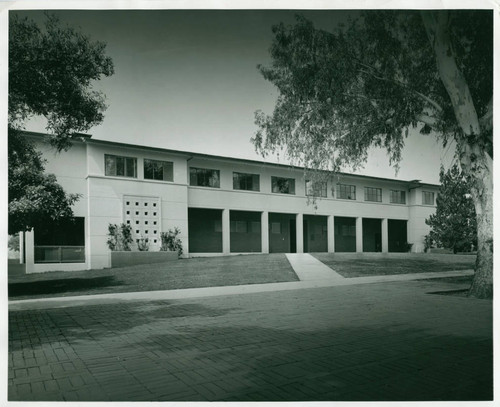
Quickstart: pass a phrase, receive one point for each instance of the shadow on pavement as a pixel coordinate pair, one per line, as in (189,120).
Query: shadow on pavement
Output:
(61,286)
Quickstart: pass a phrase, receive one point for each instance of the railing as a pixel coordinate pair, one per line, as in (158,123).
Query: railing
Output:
(59,254)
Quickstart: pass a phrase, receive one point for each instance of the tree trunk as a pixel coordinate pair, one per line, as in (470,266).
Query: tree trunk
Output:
(475,161)
(482,194)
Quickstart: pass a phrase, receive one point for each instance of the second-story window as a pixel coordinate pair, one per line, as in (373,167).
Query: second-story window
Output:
(283,185)
(373,194)
(346,191)
(316,188)
(203,177)
(248,182)
(427,198)
(120,166)
(159,170)
(398,197)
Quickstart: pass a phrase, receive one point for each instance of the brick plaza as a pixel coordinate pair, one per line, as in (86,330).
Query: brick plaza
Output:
(369,342)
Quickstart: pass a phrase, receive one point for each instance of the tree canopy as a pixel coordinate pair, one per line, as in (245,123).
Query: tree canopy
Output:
(51,72)
(367,84)
(454,223)
(372,81)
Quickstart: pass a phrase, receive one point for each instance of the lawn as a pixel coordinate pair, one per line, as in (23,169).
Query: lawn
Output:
(184,273)
(378,264)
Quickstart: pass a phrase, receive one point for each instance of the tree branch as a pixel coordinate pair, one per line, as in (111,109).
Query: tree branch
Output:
(432,102)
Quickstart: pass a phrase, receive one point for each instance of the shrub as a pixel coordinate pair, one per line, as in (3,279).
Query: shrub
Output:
(119,237)
(142,244)
(170,241)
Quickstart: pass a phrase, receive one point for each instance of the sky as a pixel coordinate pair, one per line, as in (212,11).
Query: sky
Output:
(188,80)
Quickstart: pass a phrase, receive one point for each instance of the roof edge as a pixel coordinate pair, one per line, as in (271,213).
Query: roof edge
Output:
(88,138)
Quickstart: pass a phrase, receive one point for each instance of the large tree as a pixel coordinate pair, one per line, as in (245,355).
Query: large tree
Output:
(51,72)
(369,83)
(453,225)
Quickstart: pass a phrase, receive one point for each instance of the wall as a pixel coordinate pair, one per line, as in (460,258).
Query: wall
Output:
(106,197)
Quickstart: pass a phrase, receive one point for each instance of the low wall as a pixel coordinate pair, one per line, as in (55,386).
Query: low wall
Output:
(122,259)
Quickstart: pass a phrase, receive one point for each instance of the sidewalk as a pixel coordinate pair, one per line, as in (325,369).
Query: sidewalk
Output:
(312,273)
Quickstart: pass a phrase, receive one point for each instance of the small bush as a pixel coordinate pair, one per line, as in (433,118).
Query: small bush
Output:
(170,241)
(119,237)
(143,244)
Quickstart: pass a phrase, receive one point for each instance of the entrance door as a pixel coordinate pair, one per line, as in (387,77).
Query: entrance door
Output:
(293,236)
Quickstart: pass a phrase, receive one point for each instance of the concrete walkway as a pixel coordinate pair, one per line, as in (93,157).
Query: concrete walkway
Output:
(308,268)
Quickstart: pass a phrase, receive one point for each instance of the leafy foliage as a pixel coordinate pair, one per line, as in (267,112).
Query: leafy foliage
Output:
(51,71)
(366,85)
(171,242)
(119,237)
(50,74)
(454,223)
(35,197)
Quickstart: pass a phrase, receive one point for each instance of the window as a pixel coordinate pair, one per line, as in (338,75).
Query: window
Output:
(276,228)
(120,166)
(398,197)
(373,194)
(283,185)
(60,242)
(427,198)
(316,188)
(202,177)
(160,170)
(346,191)
(248,182)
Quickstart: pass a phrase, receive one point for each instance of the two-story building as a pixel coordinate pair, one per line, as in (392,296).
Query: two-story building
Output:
(221,205)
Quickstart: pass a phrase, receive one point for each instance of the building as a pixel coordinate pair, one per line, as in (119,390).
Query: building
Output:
(221,205)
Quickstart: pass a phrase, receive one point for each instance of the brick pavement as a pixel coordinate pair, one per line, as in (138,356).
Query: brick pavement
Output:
(382,341)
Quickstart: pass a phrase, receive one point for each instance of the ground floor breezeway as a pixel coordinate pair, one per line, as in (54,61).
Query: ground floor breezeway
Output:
(234,231)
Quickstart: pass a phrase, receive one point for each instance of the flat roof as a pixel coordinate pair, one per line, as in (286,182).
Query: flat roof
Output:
(88,139)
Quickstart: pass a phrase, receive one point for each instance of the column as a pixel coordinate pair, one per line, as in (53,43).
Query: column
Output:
(385,236)
(264,226)
(226,230)
(331,234)
(300,232)
(359,235)
(30,251)
(21,247)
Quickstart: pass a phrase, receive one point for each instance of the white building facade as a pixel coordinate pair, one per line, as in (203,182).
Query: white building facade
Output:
(221,205)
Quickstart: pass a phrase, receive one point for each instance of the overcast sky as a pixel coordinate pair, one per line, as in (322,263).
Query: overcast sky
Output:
(188,80)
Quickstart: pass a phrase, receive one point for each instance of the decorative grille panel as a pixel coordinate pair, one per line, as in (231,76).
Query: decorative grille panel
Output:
(143,215)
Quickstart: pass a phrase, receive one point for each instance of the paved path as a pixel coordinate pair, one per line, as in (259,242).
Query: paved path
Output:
(308,268)
(390,341)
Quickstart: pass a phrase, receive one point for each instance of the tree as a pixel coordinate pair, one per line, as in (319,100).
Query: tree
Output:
(369,83)
(51,71)
(454,223)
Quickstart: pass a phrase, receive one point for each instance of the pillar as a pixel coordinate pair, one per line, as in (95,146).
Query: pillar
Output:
(331,234)
(226,230)
(359,235)
(385,236)
(30,251)
(300,232)
(265,231)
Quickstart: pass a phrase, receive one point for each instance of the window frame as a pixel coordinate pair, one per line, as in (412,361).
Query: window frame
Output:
(162,163)
(400,194)
(429,193)
(197,169)
(237,181)
(125,158)
(352,190)
(274,181)
(323,189)
(369,192)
